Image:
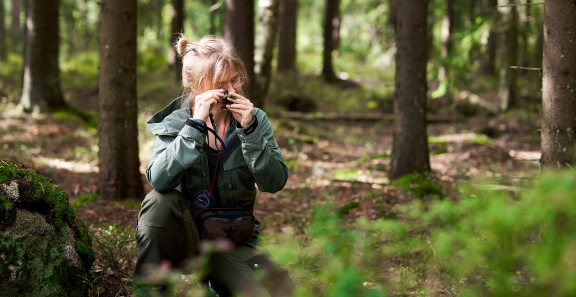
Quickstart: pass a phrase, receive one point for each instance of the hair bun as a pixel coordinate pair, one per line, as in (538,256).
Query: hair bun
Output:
(182,45)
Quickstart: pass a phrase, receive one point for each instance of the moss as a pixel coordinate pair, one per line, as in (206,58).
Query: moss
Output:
(40,194)
(7,211)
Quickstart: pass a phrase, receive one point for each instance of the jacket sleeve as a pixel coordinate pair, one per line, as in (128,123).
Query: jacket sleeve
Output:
(172,155)
(263,155)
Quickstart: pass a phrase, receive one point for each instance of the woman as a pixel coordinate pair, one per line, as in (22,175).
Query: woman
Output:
(207,148)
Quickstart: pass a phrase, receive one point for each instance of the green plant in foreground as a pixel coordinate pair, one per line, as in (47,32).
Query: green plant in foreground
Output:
(488,243)
(117,246)
(491,243)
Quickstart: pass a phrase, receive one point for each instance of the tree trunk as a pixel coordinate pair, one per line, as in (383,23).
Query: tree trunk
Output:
(3,46)
(239,31)
(287,36)
(331,32)
(15,27)
(177,27)
(558,85)
(508,53)
(265,43)
(446,38)
(42,91)
(119,175)
(410,140)
(489,62)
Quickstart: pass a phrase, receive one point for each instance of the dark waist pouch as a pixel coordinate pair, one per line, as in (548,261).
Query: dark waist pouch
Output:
(235,224)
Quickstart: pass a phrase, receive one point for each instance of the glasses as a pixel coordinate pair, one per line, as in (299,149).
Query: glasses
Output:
(236,82)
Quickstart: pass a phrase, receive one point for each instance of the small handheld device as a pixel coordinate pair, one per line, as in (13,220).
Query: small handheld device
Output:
(224,99)
(202,201)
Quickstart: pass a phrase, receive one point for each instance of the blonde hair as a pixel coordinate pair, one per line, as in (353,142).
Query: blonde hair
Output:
(209,58)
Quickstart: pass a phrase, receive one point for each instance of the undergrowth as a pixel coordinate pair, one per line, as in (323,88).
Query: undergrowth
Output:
(488,242)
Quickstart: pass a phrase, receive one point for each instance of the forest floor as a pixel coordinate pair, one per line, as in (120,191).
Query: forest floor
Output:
(340,162)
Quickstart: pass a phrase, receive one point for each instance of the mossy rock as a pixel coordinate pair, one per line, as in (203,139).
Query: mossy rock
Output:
(45,249)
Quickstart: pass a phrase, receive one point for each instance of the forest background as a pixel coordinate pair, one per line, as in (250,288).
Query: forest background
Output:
(479,218)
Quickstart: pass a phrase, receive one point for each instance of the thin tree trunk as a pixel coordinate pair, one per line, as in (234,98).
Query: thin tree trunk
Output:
(42,91)
(177,26)
(410,140)
(3,46)
(239,31)
(16,27)
(558,85)
(119,175)
(446,37)
(508,54)
(331,27)
(265,43)
(287,36)
(489,62)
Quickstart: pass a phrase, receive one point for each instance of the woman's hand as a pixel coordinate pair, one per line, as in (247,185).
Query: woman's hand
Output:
(204,102)
(241,109)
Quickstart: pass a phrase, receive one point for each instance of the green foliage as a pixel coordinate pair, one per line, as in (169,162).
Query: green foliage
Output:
(421,185)
(83,201)
(488,243)
(117,247)
(337,260)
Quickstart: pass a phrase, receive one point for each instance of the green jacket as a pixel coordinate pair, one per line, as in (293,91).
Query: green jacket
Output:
(179,154)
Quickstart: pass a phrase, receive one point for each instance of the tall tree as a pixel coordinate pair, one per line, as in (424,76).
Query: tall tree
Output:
(215,16)
(559,85)
(286,59)
(448,24)
(410,138)
(489,62)
(331,35)
(264,48)
(177,27)
(239,31)
(15,26)
(119,175)
(42,91)
(508,53)
(3,46)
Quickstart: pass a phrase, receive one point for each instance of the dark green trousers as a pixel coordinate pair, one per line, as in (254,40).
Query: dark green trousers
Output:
(168,238)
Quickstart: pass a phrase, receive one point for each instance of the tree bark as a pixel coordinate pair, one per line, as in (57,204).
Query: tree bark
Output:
(446,38)
(410,140)
(265,43)
(287,36)
(177,26)
(558,85)
(42,91)
(15,27)
(239,31)
(3,46)
(119,175)
(489,62)
(508,53)
(331,36)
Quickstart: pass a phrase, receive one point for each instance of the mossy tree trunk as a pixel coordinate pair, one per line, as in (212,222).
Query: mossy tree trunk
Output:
(119,175)
(410,140)
(559,85)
